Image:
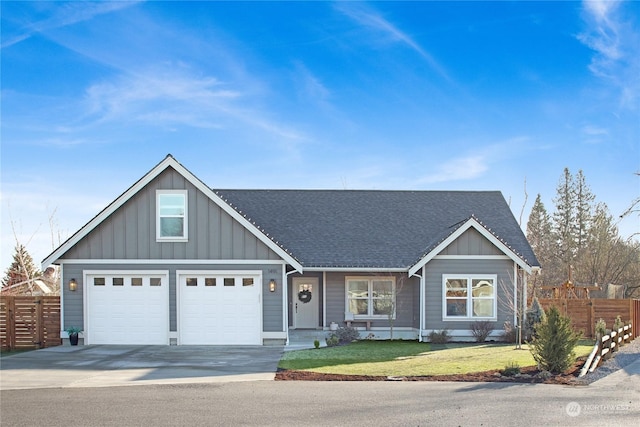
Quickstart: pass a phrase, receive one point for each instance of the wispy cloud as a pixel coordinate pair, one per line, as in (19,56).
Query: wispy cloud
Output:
(616,43)
(177,96)
(368,18)
(64,14)
(457,169)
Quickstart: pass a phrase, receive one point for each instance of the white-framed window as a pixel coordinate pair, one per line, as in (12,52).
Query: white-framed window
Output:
(469,296)
(171,215)
(371,297)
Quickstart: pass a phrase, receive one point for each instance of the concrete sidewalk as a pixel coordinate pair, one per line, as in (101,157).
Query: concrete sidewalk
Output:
(104,366)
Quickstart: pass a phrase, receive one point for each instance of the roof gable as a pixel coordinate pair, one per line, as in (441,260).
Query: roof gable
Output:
(474,223)
(168,162)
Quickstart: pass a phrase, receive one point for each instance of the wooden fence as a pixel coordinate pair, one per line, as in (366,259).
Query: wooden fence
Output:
(29,322)
(584,313)
(605,346)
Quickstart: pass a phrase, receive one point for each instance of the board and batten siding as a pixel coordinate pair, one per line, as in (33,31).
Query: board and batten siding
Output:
(471,242)
(434,272)
(272,310)
(407,299)
(130,232)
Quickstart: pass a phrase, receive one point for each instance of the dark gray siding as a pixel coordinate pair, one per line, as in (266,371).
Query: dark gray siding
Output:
(272,310)
(471,242)
(407,300)
(433,288)
(130,232)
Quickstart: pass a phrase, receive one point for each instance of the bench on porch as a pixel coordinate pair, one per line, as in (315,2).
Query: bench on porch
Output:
(349,320)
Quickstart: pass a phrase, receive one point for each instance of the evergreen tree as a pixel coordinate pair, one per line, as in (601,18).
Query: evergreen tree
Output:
(583,211)
(540,237)
(564,220)
(21,269)
(552,347)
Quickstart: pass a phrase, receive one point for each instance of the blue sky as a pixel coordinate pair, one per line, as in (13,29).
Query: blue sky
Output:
(355,95)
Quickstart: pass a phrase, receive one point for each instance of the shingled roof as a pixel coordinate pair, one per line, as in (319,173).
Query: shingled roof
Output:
(373,229)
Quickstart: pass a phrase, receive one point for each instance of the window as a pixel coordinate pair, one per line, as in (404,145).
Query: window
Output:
(136,281)
(117,281)
(209,281)
(192,281)
(247,281)
(229,281)
(171,221)
(98,281)
(371,296)
(469,297)
(155,281)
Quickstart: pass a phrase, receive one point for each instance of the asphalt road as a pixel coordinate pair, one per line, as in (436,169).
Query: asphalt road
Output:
(279,403)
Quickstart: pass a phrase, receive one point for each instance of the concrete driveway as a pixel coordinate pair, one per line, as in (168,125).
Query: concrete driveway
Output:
(105,366)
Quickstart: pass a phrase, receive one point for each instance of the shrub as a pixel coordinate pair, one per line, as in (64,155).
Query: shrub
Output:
(316,343)
(511,369)
(601,327)
(535,315)
(552,347)
(509,333)
(439,337)
(481,329)
(347,334)
(332,340)
(618,323)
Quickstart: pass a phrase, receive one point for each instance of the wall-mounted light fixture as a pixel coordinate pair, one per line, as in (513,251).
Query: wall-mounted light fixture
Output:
(272,285)
(73,285)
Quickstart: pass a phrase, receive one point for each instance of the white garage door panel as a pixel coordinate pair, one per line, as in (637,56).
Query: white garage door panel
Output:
(127,313)
(220,315)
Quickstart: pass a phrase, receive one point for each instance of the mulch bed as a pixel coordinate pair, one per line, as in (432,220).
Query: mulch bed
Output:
(528,375)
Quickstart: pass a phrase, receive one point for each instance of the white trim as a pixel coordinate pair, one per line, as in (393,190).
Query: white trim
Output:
(515,295)
(324,300)
(469,298)
(185,217)
(274,335)
(169,161)
(469,257)
(172,261)
(356,269)
(472,222)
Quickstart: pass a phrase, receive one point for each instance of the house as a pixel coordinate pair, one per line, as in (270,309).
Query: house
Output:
(172,261)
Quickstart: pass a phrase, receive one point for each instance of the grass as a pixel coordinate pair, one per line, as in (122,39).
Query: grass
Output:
(410,358)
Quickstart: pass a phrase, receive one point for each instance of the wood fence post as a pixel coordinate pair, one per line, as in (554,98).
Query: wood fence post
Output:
(590,318)
(11,324)
(39,335)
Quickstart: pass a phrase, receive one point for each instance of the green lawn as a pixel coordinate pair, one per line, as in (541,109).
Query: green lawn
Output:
(410,358)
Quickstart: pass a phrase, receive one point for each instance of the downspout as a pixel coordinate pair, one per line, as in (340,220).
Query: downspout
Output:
(324,300)
(285,297)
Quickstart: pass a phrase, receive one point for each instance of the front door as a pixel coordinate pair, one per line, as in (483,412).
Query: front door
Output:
(306,298)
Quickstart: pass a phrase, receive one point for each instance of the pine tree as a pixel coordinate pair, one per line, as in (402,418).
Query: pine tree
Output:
(552,347)
(21,269)
(564,220)
(583,210)
(540,237)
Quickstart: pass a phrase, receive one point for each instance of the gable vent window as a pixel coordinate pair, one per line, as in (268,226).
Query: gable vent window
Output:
(171,221)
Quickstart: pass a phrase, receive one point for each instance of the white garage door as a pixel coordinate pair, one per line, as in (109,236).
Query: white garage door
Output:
(220,308)
(127,308)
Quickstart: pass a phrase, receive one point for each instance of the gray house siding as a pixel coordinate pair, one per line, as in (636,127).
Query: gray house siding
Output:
(471,242)
(272,310)
(130,232)
(407,299)
(436,268)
